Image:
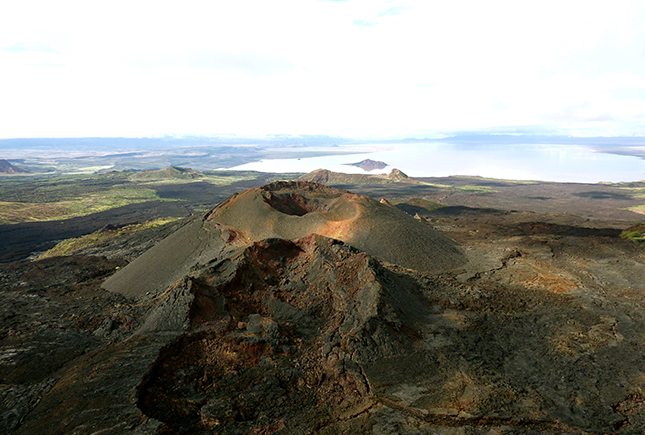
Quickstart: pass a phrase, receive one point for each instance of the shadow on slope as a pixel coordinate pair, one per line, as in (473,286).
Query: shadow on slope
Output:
(21,240)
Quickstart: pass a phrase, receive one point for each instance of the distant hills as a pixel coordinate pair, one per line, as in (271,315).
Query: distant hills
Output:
(325,176)
(170,172)
(368,164)
(8,168)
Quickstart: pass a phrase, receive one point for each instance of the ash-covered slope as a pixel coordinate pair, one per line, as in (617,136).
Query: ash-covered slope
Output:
(295,209)
(290,210)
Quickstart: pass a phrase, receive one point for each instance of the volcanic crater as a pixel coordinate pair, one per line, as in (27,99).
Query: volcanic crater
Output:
(290,210)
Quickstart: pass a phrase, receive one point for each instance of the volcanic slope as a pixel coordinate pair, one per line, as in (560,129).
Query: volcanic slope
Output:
(223,333)
(290,210)
(277,338)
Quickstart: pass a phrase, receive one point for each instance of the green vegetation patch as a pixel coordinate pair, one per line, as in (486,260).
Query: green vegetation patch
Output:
(436,185)
(63,196)
(77,244)
(636,192)
(475,188)
(638,208)
(15,212)
(171,172)
(176,175)
(636,233)
(217,180)
(55,188)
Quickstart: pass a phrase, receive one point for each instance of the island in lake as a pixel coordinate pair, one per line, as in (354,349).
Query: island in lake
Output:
(369,165)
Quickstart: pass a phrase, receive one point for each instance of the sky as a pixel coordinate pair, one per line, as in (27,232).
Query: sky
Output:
(354,68)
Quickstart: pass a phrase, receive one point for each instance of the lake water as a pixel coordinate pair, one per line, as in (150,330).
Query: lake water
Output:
(548,162)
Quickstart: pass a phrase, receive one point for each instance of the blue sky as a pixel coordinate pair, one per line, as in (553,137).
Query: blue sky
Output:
(358,68)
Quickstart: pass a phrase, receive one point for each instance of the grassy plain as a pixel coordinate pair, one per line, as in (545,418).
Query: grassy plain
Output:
(94,202)
(76,244)
(56,197)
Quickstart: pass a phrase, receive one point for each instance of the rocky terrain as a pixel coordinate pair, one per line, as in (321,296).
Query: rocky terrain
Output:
(617,204)
(296,307)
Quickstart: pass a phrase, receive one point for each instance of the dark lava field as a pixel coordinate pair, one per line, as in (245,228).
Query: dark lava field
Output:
(366,304)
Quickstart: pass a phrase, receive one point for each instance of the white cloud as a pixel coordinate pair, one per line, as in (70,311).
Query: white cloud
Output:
(361,67)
